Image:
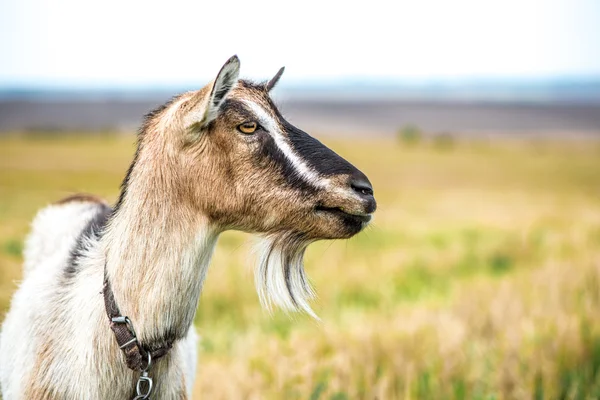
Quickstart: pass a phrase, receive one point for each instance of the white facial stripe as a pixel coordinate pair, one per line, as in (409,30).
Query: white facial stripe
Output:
(299,164)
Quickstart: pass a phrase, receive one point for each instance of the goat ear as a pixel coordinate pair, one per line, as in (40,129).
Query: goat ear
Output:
(224,82)
(271,84)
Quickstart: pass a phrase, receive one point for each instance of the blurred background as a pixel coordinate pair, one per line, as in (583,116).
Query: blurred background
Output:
(477,122)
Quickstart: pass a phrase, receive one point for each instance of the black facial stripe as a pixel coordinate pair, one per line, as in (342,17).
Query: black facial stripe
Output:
(315,154)
(271,156)
(319,157)
(269,153)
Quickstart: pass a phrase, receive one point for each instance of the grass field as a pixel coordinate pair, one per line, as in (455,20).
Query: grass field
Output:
(479,278)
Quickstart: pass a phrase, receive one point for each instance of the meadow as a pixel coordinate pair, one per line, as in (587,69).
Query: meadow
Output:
(478,279)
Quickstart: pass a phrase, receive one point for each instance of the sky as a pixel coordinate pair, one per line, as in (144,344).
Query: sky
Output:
(141,43)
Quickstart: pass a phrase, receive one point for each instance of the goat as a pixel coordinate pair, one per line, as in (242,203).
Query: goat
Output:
(211,160)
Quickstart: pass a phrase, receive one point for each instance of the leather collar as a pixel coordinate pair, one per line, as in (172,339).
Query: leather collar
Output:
(136,354)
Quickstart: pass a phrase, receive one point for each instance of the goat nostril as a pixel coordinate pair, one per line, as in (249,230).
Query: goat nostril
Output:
(362,186)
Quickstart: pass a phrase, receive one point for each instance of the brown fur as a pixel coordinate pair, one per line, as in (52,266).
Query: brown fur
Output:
(182,176)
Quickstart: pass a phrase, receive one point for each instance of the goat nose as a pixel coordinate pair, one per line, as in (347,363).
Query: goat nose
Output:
(361,185)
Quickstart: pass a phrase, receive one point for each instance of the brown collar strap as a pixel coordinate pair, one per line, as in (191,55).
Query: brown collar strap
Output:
(136,356)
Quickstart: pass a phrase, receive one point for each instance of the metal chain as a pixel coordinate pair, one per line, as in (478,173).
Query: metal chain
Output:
(144,382)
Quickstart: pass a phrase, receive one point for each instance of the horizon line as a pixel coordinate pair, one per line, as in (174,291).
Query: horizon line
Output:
(295,83)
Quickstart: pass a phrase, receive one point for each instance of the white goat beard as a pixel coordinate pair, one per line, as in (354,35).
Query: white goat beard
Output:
(280,278)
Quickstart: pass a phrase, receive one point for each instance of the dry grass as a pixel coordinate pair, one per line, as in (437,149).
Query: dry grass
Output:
(480,277)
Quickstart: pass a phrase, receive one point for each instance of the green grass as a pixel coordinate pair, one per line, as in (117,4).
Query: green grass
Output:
(479,278)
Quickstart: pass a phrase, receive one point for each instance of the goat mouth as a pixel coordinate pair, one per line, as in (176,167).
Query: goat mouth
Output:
(339,212)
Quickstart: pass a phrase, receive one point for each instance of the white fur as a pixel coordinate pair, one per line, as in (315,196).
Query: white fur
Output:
(303,169)
(54,230)
(85,362)
(299,164)
(270,279)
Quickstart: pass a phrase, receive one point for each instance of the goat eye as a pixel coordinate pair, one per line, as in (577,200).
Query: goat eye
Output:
(248,127)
